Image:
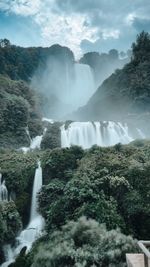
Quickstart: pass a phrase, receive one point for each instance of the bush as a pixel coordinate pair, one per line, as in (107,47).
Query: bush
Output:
(10,223)
(84,243)
(52,137)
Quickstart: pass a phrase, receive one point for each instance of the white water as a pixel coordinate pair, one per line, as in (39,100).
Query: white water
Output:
(48,120)
(34,228)
(35,143)
(86,134)
(36,188)
(83,87)
(71,87)
(3,190)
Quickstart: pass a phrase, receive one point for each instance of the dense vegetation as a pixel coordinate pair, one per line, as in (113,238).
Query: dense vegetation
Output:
(20,63)
(102,186)
(91,200)
(109,185)
(52,137)
(18,109)
(126,90)
(10,224)
(31,64)
(18,171)
(83,243)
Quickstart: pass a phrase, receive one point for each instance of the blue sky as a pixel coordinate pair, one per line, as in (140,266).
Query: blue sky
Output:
(19,30)
(82,25)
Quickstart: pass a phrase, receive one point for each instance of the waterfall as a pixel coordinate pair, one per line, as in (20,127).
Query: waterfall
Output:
(86,134)
(3,190)
(83,87)
(35,143)
(36,188)
(35,226)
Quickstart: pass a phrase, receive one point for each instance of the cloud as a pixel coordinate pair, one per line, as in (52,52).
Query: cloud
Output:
(129,19)
(21,7)
(65,30)
(71,22)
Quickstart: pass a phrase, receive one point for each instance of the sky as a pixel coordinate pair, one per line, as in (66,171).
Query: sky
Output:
(82,25)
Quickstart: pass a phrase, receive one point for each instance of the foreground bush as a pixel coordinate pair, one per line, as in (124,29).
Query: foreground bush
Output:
(84,243)
(10,222)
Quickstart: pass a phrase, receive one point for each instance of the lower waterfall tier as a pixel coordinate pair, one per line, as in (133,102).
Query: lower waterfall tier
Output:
(87,134)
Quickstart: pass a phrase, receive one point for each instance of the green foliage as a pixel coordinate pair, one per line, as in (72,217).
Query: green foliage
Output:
(126,90)
(18,108)
(10,223)
(21,63)
(101,186)
(18,170)
(141,49)
(84,243)
(60,163)
(110,185)
(52,137)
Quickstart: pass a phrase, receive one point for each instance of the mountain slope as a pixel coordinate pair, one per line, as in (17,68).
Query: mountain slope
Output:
(20,63)
(18,109)
(126,91)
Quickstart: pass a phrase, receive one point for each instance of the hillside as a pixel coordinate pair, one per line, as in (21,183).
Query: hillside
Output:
(21,63)
(126,91)
(104,64)
(18,109)
(51,71)
(99,183)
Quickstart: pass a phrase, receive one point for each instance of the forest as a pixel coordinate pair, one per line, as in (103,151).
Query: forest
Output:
(94,202)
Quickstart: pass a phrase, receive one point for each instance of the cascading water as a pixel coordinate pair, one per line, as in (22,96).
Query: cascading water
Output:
(3,190)
(35,143)
(35,226)
(29,235)
(86,134)
(83,87)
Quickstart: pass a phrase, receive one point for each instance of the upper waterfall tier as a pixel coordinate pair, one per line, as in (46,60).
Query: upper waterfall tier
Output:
(83,87)
(86,134)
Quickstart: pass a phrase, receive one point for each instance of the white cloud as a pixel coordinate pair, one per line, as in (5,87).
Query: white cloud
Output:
(21,7)
(65,30)
(55,27)
(110,33)
(68,22)
(129,19)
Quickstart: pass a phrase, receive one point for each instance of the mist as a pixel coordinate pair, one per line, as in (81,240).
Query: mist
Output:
(66,85)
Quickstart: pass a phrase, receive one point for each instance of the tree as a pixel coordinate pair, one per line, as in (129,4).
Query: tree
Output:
(4,42)
(84,243)
(141,48)
(114,55)
(10,223)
